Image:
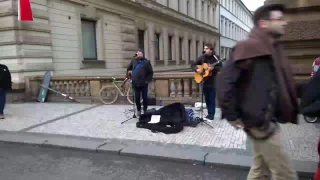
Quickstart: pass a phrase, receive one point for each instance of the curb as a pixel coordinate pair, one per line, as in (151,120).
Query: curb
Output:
(154,150)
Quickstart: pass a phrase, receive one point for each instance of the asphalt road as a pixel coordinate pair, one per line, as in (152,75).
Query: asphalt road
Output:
(22,162)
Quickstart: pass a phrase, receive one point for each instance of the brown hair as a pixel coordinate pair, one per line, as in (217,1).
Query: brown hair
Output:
(210,46)
(263,12)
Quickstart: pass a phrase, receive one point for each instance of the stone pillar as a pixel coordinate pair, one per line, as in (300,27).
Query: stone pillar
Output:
(26,47)
(211,17)
(192,7)
(193,48)
(222,26)
(161,49)
(183,6)
(186,47)
(205,11)
(151,33)
(200,44)
(175,4)
(165,45)
(146,44)
(177,48)
(199,12)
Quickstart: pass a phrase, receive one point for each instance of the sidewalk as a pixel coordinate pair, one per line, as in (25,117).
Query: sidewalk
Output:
(99,127)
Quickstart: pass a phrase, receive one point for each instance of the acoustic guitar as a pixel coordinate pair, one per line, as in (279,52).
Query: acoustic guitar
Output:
(199,77)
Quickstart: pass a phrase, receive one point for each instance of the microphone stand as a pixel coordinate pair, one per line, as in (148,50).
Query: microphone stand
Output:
(133,95)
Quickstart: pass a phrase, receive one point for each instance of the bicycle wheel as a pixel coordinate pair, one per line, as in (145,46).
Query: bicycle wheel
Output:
(310,119)
(130,96)
(108,94)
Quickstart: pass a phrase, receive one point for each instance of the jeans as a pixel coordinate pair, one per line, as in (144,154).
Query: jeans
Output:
(2,100)
(210,98)
(138,90)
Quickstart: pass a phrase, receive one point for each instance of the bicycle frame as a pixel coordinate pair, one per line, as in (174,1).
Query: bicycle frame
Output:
(114,81)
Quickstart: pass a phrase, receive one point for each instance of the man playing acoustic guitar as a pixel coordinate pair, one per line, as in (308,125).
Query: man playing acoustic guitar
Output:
(208,83)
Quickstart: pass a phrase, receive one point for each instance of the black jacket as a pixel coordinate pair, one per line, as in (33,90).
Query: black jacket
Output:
(210,81)
(310,100)
(5,77)
(143,74)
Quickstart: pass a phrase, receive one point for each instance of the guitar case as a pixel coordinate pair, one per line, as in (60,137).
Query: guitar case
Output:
(172,118)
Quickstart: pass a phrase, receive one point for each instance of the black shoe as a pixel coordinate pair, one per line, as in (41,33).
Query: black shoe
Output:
(144,111)
(209,117)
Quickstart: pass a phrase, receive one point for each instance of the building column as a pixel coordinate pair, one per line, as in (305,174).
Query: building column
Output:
(205,11)
(165,45)
(199,12)
(193,48)
(161,49)
(186,48)
(200,44)
(183,7)
(211,14)
(146,44)
(151,39)
(192,7)
(177,48)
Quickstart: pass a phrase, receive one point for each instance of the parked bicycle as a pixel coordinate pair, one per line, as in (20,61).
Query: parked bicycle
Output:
(109,94)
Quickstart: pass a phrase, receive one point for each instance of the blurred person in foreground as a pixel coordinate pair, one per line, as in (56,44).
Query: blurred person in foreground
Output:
(257,92)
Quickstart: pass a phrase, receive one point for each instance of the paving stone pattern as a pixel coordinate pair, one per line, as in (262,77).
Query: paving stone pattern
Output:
(105,122)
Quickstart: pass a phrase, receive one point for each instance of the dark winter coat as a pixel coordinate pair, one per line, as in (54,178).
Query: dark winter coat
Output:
(256,85)
(142,73)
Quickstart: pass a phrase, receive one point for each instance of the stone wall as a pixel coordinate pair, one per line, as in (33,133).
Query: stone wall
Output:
(53,41)
(302,39)
(171,87)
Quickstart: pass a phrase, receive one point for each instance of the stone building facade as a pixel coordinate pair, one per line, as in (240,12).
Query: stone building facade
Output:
(302,38)
(235,24)
(99,37)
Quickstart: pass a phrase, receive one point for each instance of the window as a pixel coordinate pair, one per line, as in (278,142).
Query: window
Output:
(188,8)
(196,7)
(202,11)
(170,48)
(225,27)
(180,48)
(168,3)
(141,39)
(189,48)
(157,46)
(179,5)
(208,15)
(197,49)
(89,41)
(222,52)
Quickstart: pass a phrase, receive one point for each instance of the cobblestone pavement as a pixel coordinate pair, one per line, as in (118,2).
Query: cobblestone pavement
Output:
(105,122)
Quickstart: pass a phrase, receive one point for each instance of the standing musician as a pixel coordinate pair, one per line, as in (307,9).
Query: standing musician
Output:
(208,84)
(141,73)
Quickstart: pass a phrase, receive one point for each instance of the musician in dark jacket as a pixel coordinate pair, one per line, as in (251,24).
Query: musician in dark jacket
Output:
(141,73)
(209,90)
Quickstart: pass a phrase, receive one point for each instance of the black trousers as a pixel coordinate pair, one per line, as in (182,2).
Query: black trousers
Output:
(138,90)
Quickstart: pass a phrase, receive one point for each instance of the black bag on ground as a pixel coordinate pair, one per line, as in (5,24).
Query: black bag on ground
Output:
(172,118)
